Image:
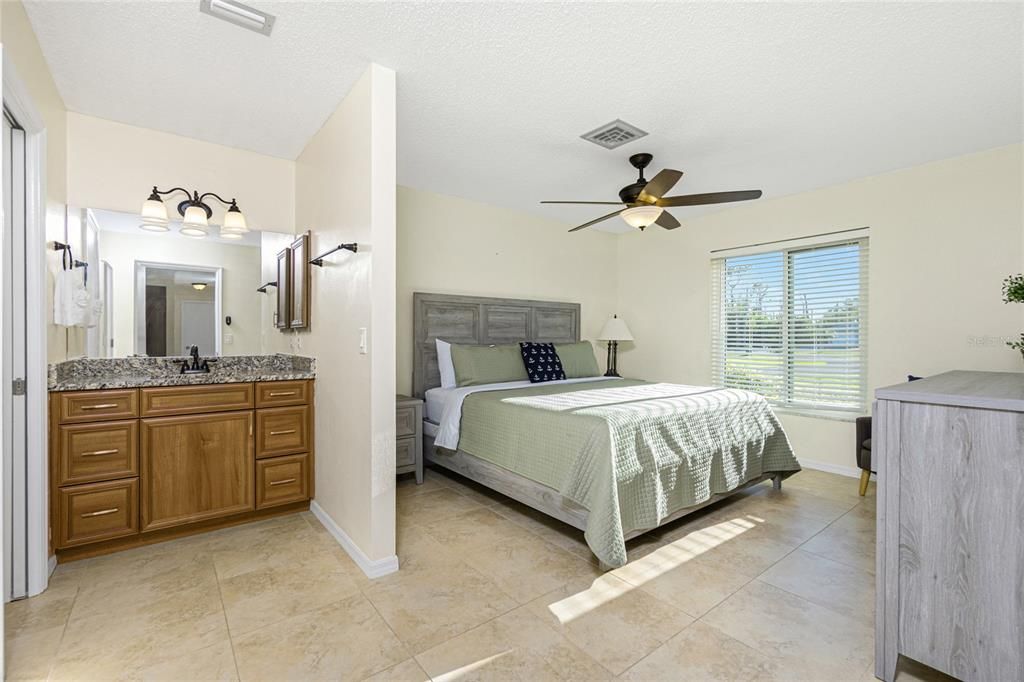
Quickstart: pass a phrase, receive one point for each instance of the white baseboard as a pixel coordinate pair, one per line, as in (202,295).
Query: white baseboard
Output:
(852,472)
(372,568)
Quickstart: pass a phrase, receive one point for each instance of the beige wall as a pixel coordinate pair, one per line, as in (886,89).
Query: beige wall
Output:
(21,50)
(113,166)
(942,237)
(241,277)
(345,191)
(454,246)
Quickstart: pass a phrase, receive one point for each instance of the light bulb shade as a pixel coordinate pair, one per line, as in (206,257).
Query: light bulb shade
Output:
(230,235)
(641,216)
(154,211)
(198,286)
(234,221)
(195,216)
(154,225)
(615,329)
(193,231)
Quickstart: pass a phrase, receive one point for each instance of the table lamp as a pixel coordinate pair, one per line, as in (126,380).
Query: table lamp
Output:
(615,330)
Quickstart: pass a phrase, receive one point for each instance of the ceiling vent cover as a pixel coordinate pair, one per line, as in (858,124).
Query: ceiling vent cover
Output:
(238,14)
(614,134)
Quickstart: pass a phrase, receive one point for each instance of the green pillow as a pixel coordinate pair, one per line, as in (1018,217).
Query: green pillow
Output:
(477,365)
(578,359)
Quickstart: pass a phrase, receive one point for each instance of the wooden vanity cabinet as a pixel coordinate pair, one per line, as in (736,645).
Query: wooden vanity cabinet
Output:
(186,459)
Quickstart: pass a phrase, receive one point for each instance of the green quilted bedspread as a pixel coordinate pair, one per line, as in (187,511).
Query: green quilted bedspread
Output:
(630,452)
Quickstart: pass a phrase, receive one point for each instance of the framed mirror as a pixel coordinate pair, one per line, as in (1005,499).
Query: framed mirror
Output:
(282,316)
(299,299)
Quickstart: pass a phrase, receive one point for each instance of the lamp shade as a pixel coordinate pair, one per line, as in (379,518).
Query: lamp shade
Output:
(195,216)
(154,211)
(224,234)
(641,216)
(615,329)
(234,221)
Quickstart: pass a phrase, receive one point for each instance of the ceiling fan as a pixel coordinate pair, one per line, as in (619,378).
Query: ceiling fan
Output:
(645,201)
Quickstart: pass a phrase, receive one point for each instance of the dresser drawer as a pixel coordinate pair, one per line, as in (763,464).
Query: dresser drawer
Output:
(282,393)
(405,421)
(97,452)
(97,511)
(281,480)
(171,400)
(405,452)
(92,406)
(282,431)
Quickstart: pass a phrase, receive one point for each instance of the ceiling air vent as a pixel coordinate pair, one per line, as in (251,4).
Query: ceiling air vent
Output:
(614,134)
(238,14)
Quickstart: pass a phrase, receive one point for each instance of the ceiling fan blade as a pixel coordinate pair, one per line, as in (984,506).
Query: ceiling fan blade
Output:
(601,203)
(596,220)
(667,220)
(658,185)
(709,198)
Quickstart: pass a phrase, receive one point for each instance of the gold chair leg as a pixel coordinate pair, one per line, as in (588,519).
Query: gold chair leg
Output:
(865,476)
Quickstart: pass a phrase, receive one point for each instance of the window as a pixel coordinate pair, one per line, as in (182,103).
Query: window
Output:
(792,325)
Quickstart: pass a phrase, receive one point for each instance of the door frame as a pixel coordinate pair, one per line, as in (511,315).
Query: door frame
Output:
(139,300)
(18,101)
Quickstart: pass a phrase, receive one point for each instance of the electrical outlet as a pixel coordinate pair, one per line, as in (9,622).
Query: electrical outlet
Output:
(362,340)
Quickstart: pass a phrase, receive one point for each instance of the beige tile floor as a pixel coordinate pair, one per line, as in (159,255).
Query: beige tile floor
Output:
(766,586)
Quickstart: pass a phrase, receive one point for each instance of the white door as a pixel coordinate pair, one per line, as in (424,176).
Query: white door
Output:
(198,327)
(14,361)
(107,316)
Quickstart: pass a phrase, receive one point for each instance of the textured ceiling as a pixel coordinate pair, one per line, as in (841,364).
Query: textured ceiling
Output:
(492,97)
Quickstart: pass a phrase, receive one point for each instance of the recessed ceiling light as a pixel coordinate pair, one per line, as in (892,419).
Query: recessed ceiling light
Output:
(238,14)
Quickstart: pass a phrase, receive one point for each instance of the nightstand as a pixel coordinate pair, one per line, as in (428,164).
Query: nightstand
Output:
(409,436)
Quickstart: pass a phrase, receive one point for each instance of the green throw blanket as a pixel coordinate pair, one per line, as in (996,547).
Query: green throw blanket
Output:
(632,453)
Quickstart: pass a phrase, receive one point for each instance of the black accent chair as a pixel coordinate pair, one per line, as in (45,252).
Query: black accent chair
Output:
(864,447)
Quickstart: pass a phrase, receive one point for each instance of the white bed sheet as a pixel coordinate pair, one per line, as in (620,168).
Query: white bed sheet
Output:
(444,405)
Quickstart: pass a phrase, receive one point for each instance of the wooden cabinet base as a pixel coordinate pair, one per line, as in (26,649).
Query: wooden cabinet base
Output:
(139,540)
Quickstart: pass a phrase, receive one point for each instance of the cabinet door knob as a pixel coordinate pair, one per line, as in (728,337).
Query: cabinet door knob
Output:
(101,512)
(283,481)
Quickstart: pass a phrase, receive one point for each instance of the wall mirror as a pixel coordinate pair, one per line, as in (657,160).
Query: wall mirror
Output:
(160,292)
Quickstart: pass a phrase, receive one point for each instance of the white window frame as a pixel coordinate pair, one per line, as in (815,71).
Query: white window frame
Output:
(786,248)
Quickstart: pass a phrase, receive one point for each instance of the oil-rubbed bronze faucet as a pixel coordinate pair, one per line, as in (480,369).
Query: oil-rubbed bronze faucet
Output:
(195,367)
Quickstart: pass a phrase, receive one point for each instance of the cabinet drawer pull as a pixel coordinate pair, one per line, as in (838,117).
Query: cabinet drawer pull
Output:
(274,394)
(283,481)
(99,453)
(101,512)
(101,406)
(282,433)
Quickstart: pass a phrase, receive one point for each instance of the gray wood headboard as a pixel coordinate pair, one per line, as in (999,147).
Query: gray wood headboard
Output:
(480,321)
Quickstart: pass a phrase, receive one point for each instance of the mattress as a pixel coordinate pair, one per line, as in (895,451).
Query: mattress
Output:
(630,452)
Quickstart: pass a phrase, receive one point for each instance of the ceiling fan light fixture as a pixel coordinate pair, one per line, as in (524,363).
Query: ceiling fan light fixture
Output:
(641,216)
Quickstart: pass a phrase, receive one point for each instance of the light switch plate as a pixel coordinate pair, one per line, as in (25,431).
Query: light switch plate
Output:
(362,340)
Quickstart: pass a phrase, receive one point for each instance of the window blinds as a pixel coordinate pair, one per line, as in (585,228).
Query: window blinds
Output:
(791,324)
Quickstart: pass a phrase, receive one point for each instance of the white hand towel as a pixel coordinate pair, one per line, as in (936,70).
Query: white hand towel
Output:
(72,302)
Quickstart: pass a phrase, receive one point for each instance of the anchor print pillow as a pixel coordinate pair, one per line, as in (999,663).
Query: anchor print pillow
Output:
(541,361)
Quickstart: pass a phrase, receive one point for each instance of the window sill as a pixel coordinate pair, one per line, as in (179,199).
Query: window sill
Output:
(831,415)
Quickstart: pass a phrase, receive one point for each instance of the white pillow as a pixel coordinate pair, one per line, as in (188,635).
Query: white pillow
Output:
(444,363)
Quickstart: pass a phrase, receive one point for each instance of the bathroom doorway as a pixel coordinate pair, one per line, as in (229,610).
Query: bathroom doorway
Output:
(177,307)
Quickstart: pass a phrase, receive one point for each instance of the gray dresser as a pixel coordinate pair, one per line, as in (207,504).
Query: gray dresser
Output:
(950,564)
(409,436)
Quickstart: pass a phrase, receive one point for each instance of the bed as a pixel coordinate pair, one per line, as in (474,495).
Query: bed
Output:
(614,458)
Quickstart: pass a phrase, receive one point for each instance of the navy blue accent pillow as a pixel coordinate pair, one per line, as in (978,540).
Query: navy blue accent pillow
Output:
(541,361)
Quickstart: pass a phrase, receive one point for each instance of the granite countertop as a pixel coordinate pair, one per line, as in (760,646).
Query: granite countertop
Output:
(87,374)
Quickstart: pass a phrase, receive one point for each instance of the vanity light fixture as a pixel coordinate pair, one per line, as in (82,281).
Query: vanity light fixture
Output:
(195,213)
